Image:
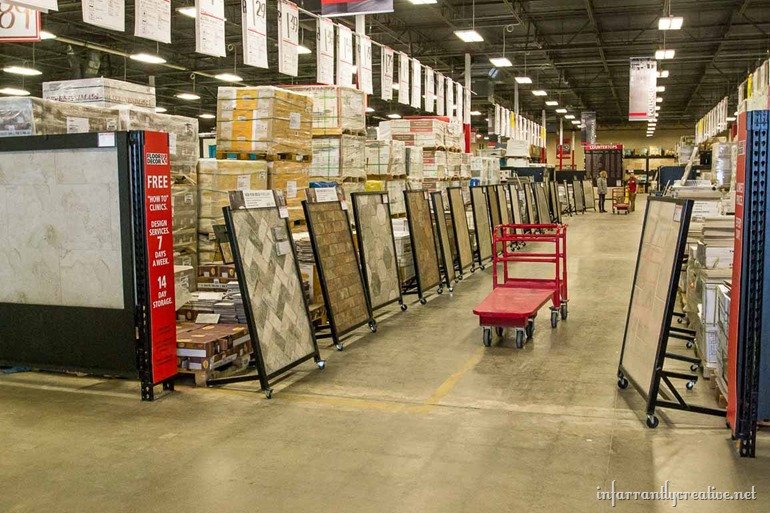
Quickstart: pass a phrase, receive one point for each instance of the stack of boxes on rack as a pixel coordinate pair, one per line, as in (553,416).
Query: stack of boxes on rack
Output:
(386,171)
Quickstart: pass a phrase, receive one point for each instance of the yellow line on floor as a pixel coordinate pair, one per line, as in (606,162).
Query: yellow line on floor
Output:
(449,384)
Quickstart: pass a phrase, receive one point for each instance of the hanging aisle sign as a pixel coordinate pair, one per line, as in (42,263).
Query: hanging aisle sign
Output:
(22,26)
(496,119)
(152,20)
(642,89)
(344,56)
(365,64)
(325,51)
(450,97)
(430,85)
(416,84)
(403,78)
(288,38)
(386,73)
(254,26)
(36,5)
(588,127)
(109,14)
(440,88)
(210,27)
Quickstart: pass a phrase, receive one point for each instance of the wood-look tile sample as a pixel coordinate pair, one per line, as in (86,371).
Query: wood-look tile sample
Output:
(493,205)
(447,258)
(460,220)
(481,220)
(519,210)
(580,202)
(532,213)
(274,287)
(543,213)
(502,200)
(375,232)
(340,275)
(423,241)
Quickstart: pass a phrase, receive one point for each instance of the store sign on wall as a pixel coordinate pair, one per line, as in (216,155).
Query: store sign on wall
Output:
(18,24)
(642,89)
(160,255)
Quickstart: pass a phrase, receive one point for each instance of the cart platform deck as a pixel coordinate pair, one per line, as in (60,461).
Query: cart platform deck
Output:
(507,307)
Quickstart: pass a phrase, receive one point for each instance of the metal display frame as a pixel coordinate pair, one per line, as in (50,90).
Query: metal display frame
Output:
(514,190)
(362,253)
(460,220)
(333,333)
(444,247)
(588,195)
(480,259)
(570,193)
(579,194)
(553,190)
(419,288)
(652,391)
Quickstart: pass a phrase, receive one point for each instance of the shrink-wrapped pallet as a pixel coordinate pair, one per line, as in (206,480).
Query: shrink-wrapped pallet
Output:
(34,116)
(423,132)
(385,158)
(292,179)
(184,215)
(414,164)
(336,110)
(455,136)
(434,164)
(396,196)
(465,166)
(100,92)
(341,156)
(453,164)
(266,120)
(182,135)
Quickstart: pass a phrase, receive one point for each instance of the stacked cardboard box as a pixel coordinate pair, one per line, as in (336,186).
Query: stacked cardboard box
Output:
(414,163)
(385,158)
(465,165)
(455,136)
(454,163)
(292,178)
(100,92)
(339,157)
(434,164)
(336,110)
(207,347)
(422,132)
(215,179)
(265,120)
(34,116)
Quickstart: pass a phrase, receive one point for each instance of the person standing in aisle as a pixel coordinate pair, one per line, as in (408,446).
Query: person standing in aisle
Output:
(601,187)
(631,191)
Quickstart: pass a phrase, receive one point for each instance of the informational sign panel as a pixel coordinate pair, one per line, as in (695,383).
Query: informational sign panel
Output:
(588,127)
(160,255)
(387,57)
(20,24)
(325,51)
(109,14)
(403,78)
(430,89)
(152,20)
(416,84)
(642,89)
(365,64)
(210,27)
(254,27)
(288,38)
(344,56)
(440,94)
(36,5)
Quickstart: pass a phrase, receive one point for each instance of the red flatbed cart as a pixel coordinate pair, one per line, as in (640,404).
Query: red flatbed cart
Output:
(514,302)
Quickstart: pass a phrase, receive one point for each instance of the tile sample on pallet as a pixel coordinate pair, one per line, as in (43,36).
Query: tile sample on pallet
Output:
(338,265)
(375,234)
(481,222)
(423,240)
(275,293)
(65,245)
(442,230)
(462,235)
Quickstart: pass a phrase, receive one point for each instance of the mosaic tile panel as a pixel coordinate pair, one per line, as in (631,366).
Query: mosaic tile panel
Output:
(481,220)
(421,233)
(335,253)
(447,258)
(376,235)
(460,220)
(274,287)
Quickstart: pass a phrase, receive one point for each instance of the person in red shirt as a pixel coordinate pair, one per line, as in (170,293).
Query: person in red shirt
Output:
(631,183)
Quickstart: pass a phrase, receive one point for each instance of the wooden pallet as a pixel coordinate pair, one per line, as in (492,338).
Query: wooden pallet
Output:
(204,375)
(259,155)
(720,391)
(325,132)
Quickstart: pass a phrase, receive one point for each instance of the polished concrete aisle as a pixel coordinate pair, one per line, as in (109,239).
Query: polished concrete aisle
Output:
(418,417)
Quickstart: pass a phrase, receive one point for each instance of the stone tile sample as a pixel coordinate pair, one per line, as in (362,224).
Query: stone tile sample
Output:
(460,220)
(481,220)
(447,258)
(423,241)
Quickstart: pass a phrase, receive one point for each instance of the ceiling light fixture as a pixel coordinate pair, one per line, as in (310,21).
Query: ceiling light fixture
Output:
(228,77)
(500,62)
(475,113)
(670,23)
(14,91)
(394,116)
(147,58)
(539,92)
(469,36)
(187,11)
(552,103)
(561,111)
(486,138)
(730,118)
(658,99)
(188,96)
(660,89)
(523,80)
(369,109)
(303,50)
(664,54)
(22,70)
(569,116)
(657,107)
(663,74)
(206,115)
(45,35)
(160,110)
(575,122)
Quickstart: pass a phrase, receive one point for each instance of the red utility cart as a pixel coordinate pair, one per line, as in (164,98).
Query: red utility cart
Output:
(514,302)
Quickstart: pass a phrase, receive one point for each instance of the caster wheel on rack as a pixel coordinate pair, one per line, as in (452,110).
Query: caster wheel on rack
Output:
(269,393)
(520,338)
(622,383)
(460,278)
(690,385)
(340,346)
(689,344)
(451,289)
(652,421)
(373,326)
(530,329)
(499,332)
(554,318)
(694,367)
(473,269)
(744,451)
(440,290)
(482,267)
(564,311)
(321,364)
(403,307)
(486,337)
(423,300)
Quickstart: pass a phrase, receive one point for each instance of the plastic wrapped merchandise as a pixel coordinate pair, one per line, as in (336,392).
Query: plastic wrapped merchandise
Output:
(385,158)
(453,164)
(477,166)
(722,163)
(339,157)
(100,92)
(336,110)
(434,164)
(422,132)
(292,178)
(265,119)
(465,166)
(455,136)
(396,196)
(414,164)
(184,215)
(34,116)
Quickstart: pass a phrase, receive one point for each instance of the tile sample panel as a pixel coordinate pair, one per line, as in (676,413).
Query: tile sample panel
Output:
(502,200)
(588,193)
(580,202)
(481,220)
(423,241)
(460,221)
(542,204)
(447,258)
(532,213)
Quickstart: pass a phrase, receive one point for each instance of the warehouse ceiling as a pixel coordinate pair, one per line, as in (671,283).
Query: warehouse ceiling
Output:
(577,51)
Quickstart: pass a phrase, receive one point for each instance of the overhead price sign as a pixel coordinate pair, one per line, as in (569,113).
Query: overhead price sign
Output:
(642,89)
(36,5)
(254,27)
(288,38)
(403,78)
(18,24)
(325,51)
(386,73)
(365,64)
(109,14)
(430,89)
(440,89)
(210,27)
(354,7)
(344,56)
(152,20)
(588,127)
(458,101)
(416,83)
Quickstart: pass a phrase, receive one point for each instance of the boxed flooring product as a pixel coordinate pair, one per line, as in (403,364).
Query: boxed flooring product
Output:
(336,109)
(100,92)
(423,132)
(211,346)
(264,119)
(292,178)
(454,162)
(396,196)
(414,164)
(34,116)
(341,156)
(434,164)
(182,135)
(385,158)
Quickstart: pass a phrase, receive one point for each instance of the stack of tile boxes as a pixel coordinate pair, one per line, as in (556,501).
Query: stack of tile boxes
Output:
(339,142)
(386,171)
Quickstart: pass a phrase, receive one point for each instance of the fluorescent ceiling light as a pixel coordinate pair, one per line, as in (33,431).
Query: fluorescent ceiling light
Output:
(160,110)
(660,89)
(552,103)
(730,118)
(148,58)
(569,116)
(228,77)
(394,116)
(561,111)
(44,35)
(423,2)
(206,116)
(188,96)
(575,122)
(303,50)
(664,54)
(539,92)
(187,11)
(658,99)
(649,135)
(670,23)
(500,62)
(657,107)
(651,123)
(663,74)
(13,91)
(523,80)
(469,36)
(22,70)
(369,109)
(475,113)
(486,138)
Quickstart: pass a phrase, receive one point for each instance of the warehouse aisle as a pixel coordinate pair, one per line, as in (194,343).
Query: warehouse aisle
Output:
(419,417)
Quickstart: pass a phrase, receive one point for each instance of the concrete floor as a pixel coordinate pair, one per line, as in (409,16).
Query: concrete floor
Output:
(418,417)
